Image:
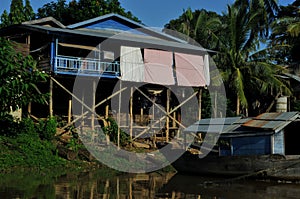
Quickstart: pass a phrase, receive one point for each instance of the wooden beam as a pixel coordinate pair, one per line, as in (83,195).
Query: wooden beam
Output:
(70,112)
(93,105)
(51,98)
(167,114)
(168,111)
(74,96)
(102,102)
(199,103)
(119,118)
(106,111)
(131,113)
(148,128)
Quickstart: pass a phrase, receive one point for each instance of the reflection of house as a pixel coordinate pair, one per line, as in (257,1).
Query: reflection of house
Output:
(108,48)
(268,133)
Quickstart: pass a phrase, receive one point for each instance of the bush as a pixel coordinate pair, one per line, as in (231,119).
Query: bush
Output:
(47,128)
(112,131)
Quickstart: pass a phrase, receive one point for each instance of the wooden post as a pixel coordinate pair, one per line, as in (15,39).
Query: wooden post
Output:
(118,187)
(199,103)
(174,121)
(130,188)
(51,98)
(82,108)
(119,113)
(93,105)
(106,111)
(70,112)
(29,109)
(142,116)
(216,105)
(131,113)
(168,119)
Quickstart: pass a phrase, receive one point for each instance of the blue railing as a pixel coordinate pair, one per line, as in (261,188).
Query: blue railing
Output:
(85,66)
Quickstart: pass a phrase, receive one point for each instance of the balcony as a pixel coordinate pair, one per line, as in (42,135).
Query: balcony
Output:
(86,67)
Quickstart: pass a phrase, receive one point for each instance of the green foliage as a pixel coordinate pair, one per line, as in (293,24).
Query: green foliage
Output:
(285,38)
(47,128)
(19,76)
(249,74)
(18,13)
(44,129)
(28,11)
(112,131)
(4,19)
(80,10)
(25,150)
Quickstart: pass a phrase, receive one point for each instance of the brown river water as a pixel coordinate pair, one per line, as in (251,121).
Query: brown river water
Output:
(128,186)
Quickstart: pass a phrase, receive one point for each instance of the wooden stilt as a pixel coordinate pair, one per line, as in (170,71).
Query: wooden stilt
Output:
(119,113)
(168,111)
(160,108)
(29,109)
(130,188)
(82,108)
(99,104)
(174,122)
(70,112)
(75,97)
(131,114)
(51,98)
(216,105)
(142,116)
(199,103)
(106,111)
(93,105)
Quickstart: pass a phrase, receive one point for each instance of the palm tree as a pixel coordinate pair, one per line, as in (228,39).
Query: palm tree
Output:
(243,66)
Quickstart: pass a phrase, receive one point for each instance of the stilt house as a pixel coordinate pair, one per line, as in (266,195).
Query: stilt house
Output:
(128,69)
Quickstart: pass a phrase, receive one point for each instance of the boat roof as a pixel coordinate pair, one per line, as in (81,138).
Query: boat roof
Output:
(266,123)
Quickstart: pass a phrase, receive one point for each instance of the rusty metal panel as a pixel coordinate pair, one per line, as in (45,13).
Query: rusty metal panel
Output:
(272,121)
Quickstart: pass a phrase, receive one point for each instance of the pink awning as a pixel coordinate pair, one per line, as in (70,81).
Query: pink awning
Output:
(158,67)
(190,70)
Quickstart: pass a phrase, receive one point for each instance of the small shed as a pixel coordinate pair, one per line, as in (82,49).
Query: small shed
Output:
(268,133)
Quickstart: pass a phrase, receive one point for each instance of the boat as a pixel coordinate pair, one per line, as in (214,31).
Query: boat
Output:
(266,146)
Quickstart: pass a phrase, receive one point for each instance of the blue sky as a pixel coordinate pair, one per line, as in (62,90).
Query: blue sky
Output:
(155,13)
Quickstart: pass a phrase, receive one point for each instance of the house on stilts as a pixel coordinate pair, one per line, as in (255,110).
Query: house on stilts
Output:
(111,66)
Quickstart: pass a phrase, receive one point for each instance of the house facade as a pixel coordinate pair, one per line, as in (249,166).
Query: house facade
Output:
(102,52)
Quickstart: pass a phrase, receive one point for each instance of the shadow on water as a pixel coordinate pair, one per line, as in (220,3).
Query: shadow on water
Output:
(154,185)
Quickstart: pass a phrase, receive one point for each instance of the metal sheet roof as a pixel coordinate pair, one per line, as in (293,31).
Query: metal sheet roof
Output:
(134,23)
(134,40)
(272,121)
(264,124)
(215,125)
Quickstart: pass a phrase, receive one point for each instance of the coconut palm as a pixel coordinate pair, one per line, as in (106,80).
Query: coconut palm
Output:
(245,69)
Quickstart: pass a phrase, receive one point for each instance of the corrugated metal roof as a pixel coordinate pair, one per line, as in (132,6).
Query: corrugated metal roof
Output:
(272,121)
(267,123)
(135,40)
(134,23)
(215,125)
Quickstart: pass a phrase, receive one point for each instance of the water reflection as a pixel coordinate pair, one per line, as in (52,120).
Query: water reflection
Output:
(154,185)
(182,186)
(123,186)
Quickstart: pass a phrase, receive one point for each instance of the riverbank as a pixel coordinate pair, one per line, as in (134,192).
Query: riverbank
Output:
(25,152)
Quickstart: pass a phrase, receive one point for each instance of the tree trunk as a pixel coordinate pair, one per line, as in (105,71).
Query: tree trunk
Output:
(237,105)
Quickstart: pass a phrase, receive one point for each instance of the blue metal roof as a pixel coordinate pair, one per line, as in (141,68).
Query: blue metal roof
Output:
(134,24)
(139,40)
(215,125)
